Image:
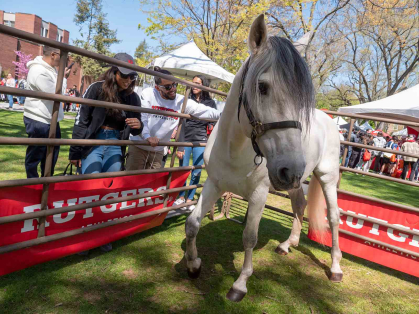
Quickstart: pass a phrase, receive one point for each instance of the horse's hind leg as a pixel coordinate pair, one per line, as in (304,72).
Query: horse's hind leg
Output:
(250,238)
(210,194)
(298,203)
(329,186)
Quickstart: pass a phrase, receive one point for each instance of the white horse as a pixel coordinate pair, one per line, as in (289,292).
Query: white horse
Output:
(276,96)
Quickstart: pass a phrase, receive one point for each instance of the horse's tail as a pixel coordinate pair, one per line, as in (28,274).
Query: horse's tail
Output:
(316,205)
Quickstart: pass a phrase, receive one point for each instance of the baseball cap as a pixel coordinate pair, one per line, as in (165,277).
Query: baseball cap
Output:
(122,56)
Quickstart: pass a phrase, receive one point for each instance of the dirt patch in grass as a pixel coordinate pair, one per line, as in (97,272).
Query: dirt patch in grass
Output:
(92,297)
(130,273)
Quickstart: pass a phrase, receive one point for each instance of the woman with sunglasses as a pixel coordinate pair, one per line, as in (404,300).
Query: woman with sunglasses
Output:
(195,131)
(116,86)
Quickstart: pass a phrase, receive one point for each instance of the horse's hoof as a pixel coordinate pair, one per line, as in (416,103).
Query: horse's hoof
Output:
(280,251)
(195,274)
(336,277)
(235,295)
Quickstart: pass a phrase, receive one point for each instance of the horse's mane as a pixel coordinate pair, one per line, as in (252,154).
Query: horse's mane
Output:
(290,73)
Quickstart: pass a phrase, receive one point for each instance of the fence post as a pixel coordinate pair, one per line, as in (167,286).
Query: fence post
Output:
(179,128)
(52,132)
(345,153)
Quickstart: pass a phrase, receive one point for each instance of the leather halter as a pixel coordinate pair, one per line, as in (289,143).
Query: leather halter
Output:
(260,128)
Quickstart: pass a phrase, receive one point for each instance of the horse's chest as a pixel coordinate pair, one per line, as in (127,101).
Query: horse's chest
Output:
(241,180)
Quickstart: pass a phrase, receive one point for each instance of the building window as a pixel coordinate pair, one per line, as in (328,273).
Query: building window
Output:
(44,32)
(9,23)
(59,38)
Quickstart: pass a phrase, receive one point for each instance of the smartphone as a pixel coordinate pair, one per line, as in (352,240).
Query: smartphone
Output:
(70,66)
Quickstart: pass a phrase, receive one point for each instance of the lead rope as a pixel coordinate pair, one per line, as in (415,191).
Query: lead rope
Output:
(151,165)
(145,164)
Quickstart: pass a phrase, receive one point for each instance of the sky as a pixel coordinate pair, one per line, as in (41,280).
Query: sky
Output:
(123,15)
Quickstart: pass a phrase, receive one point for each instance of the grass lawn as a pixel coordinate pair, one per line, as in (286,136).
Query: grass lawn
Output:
(145,273)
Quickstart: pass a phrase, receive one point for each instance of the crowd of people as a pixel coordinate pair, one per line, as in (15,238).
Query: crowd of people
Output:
(384,163)
(9,81)
(116,85)
(72,92)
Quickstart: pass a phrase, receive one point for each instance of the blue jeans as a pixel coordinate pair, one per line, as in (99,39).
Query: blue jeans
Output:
(10,98)
(348,157)
(103,158)
(21,100)
(198,160)
(38,154)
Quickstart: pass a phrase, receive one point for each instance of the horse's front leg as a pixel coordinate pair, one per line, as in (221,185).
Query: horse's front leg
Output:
(210,194)
(298,203)
(333,215)
(250,237)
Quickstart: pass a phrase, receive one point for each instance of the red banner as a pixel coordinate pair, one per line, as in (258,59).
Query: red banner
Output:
(368,250)
(26,199)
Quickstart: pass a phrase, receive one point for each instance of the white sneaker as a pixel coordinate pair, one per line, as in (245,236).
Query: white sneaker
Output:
(192,207)
(380,173)
(179,201)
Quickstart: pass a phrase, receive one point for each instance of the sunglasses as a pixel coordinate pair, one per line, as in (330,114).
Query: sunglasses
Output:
(132,77)
(169,87)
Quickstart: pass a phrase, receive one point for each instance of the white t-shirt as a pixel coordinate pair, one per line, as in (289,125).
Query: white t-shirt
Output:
(162,127)
(11,82)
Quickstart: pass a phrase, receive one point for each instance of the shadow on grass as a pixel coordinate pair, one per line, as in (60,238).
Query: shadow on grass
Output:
(100,288)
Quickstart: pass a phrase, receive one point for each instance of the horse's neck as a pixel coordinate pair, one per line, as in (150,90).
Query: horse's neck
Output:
(230,132)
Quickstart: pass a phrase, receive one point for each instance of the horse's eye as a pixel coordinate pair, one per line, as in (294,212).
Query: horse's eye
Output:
(263,88)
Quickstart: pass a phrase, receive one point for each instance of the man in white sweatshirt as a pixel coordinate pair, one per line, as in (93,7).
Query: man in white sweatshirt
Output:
(158,127)
(42,77)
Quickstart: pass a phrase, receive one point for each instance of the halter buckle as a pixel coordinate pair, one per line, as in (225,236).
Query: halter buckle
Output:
(258,129)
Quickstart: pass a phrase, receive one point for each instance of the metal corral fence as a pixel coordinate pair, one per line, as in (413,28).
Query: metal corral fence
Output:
(51,142)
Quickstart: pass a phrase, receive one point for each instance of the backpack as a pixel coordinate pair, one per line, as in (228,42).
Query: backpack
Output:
(367,155)
(393,158)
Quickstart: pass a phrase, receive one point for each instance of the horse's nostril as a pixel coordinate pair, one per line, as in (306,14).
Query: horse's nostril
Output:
(284,174)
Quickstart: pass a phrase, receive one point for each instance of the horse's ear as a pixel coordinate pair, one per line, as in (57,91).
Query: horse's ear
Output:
(258,34)
(302,43)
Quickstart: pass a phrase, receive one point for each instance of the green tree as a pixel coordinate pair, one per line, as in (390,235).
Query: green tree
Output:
(142,50)
(219,27)
(143,55)
(95,33)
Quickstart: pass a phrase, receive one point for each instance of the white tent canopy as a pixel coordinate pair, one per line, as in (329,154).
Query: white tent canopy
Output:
(188,61)
(339,121)
(403,132)
(403,106)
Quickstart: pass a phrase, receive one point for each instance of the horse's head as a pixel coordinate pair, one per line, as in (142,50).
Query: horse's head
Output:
(276,87)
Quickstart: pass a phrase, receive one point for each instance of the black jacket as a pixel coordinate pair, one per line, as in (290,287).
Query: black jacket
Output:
(196,130)
(90,119)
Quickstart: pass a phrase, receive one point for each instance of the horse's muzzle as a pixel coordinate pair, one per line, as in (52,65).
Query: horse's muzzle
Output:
(287,176)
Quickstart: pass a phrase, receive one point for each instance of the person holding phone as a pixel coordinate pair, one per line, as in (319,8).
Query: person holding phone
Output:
(117,86)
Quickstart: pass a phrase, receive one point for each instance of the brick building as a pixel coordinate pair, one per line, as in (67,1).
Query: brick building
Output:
(31,23)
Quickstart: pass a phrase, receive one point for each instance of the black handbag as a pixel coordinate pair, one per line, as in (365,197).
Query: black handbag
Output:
(69,170)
